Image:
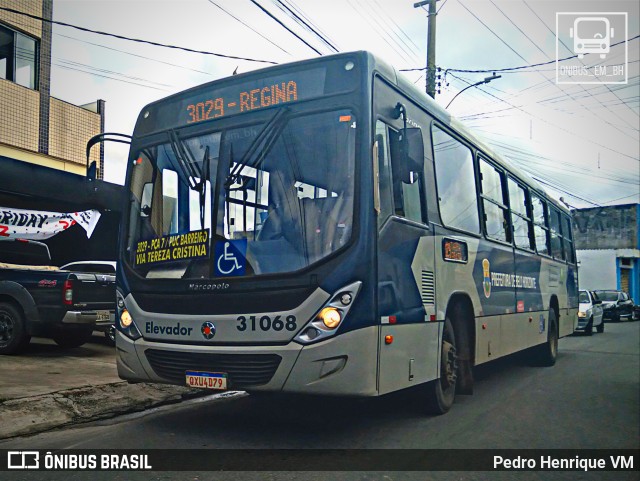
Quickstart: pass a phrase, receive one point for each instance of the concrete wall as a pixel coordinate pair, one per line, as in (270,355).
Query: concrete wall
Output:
(597,269)
(70,127)
(19,116)
(614,227)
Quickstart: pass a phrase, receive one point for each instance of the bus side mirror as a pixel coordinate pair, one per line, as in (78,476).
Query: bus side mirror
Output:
(413,155)
(92,171)
(145,202)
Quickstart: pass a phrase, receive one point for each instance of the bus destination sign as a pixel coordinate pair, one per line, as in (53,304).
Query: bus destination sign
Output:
(251,95)
(454,250)
(173,247)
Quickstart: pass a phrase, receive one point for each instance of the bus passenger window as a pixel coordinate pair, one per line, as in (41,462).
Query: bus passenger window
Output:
(541,230)
(495,211)
(456,182)
(522,228)
(567,234)
(556,238)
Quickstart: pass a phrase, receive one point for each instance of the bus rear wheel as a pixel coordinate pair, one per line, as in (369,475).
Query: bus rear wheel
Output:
(441,393)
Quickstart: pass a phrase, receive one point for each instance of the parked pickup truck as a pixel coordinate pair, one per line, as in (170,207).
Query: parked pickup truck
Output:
(37,299)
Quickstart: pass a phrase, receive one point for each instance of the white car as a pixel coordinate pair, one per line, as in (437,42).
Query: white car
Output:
(589,313)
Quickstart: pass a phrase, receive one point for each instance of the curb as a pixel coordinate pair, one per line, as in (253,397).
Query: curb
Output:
(31,415)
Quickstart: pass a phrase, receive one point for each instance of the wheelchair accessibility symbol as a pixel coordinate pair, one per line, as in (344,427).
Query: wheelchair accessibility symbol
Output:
(230,257)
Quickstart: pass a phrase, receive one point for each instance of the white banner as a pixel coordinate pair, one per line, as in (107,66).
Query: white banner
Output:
(39,225)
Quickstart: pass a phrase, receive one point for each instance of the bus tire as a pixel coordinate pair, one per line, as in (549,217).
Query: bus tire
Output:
(13,333)
(546,354)
(68,338)
(441,393)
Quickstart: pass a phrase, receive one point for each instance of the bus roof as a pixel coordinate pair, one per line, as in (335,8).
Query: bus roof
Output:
(391,74)
(441,114)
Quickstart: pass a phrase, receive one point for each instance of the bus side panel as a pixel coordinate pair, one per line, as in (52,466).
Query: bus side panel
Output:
(410,357)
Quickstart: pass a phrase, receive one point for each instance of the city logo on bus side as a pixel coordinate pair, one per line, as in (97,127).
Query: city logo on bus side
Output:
(486,278)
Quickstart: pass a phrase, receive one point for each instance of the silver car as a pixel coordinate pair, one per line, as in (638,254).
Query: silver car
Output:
(589,313)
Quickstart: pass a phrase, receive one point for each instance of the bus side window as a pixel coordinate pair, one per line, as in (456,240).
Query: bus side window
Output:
(520,217)
(567,234)
(540,228)
(496,220)
(404,189)
(456,182)
(556,237)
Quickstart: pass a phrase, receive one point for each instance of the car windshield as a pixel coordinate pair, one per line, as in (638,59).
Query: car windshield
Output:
(268,198)
(607,296)
(583,297)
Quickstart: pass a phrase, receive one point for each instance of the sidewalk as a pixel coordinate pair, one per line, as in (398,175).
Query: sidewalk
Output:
(48,387)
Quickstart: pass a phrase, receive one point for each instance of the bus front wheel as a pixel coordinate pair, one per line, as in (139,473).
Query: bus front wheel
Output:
(546,354)
(441,393)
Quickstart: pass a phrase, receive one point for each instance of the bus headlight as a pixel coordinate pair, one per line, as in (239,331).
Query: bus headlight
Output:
(326,322)
(330,317)
(125,319)
(582,314)
(125,323)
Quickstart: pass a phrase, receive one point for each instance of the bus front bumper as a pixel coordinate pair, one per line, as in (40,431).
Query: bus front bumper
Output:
(342,365)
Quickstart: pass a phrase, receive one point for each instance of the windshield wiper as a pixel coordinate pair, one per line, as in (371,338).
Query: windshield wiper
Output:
(191,171)
(266,137)
(185,160)
(202,186)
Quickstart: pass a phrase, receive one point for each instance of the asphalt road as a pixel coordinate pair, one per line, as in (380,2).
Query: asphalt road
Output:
(590,399)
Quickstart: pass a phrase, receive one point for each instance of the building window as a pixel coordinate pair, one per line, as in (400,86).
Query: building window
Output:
(17,57)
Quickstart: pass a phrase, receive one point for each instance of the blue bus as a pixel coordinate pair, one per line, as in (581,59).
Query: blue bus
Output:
(323,227)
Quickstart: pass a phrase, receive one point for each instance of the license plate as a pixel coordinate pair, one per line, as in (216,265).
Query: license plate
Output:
(103,316)
(206,380)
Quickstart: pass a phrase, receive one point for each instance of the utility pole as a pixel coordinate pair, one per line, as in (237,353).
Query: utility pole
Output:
(431,46)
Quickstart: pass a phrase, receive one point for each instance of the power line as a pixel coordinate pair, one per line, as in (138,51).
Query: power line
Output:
(302,15)
(365,15)
(393,27)
(550,123)
(546,78)
(248,26)
(134,54)
(622,198)
(509,69)
(563,44)
(122,37)
(276,19)
(300,21)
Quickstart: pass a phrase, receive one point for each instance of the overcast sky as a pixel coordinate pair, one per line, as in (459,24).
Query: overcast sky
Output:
(583,139)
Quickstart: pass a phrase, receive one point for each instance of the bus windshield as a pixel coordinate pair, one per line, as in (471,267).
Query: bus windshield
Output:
(260,199)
